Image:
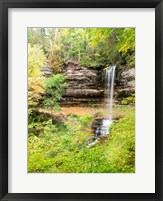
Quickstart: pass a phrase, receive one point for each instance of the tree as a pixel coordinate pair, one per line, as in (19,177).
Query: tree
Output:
(36,60)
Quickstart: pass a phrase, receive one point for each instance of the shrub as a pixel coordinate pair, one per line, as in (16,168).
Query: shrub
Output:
(129,100)
(54,87)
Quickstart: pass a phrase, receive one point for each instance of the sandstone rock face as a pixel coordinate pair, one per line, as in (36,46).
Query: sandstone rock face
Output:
(85,85)
(83,92)
(125,84)
(128,74)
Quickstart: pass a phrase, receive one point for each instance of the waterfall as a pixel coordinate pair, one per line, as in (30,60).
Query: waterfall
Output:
(104,124)
(109,89)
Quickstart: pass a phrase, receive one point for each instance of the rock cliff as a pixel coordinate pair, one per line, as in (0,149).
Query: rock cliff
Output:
(85,85)
(124,84)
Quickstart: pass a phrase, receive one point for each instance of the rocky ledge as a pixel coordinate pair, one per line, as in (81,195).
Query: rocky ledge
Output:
(85,85)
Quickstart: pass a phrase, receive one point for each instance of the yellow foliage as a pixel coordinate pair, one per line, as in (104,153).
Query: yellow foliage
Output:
(36,60)
(55,62)
(35,90)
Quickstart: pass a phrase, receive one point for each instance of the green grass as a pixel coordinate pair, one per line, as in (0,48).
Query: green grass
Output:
(62,148)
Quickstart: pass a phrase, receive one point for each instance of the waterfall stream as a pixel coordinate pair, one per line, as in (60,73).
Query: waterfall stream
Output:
(109,89)
(104,124)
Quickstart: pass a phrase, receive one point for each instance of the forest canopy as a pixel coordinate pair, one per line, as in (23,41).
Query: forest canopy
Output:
(91,47)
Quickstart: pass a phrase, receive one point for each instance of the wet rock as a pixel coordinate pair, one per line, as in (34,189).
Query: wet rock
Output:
(96,123)
(100,127)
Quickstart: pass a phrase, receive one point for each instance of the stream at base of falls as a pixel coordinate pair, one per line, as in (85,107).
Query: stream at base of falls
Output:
(101,128)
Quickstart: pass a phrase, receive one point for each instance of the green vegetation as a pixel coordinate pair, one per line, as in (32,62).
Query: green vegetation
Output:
(129,100)
(54,87)
(63,147)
